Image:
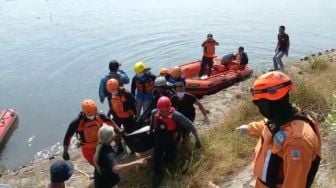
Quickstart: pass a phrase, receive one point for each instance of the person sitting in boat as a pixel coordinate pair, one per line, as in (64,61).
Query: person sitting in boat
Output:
(184,103)
(164,72)
(142,87)
(86,127)
(122,105)
(226,59)
(115,73)
(176,76)
(106,173)
(240,61)
(208,55)
(165,122)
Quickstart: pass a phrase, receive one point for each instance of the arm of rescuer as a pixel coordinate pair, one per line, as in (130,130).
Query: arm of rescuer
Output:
(216,43)
(73,126)
(253,129)
(102,90)
(123,77)
(187,124)
(121,168)
(202,109)
(297,160)
(110,122)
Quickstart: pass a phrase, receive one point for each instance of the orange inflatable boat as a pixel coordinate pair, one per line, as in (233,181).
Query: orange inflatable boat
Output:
(222,76)
(7,119)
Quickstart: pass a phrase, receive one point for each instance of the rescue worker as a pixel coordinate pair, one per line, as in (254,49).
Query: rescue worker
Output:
(208,55)
(241,58)
(115,73)
(122,105)
(176,75)
(86,127)
(288,153)
(142,86)
(162,88)
(106,173)
(165,122)
(184,103)
(164,72)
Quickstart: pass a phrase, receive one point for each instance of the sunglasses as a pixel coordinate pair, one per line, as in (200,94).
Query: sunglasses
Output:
(270,90)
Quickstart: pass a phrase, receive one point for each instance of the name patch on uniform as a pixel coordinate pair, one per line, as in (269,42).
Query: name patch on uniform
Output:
(280,137)
(296,154)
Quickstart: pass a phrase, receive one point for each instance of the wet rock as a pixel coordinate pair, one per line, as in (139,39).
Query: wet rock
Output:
(320,53)
(327,51)
(306,58)
(301,59)
(313,55)
(332,50)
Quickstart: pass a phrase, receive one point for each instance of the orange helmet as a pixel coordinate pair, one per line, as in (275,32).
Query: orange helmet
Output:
(175,72)
(271,86)
(164,71)
(89,107)
(112,85)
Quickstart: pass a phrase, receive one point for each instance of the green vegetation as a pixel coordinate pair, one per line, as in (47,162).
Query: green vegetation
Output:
(225,152)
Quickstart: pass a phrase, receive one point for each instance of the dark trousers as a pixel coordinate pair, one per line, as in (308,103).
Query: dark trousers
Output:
(163,153)
(207,63)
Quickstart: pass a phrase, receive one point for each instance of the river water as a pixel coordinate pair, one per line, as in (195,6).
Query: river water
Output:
(54,52)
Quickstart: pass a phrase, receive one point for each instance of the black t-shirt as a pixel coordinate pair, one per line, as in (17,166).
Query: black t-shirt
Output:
(283,42)
(185,105)
(107,178)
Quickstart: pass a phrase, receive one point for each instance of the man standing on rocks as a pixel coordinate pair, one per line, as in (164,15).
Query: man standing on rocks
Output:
(281,48)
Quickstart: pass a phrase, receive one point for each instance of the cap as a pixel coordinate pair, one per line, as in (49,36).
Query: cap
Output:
(60,171)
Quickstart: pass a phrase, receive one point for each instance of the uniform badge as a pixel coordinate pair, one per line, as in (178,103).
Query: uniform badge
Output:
(280,137)
(296,154)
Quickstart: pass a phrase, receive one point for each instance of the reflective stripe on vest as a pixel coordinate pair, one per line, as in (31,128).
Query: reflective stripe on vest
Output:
(90,130)
(117,105)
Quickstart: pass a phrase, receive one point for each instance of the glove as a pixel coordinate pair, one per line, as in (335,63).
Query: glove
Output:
(198,145)
(206,120)
(66,156)
(242,129)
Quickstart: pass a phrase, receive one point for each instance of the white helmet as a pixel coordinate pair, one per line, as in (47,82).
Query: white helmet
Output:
(160,81)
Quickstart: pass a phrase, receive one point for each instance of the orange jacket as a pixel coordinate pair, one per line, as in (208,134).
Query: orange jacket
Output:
(121,107)
(288,158)
(209,48)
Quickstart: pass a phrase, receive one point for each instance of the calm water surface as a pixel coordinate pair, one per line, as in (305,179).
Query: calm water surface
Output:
(53,52)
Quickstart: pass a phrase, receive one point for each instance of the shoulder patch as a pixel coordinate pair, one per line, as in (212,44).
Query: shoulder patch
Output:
(280,137)
(295,154)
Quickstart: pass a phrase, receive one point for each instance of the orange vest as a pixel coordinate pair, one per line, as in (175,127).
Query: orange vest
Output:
(209,49)
(117,105)
(270,152)
(88,131)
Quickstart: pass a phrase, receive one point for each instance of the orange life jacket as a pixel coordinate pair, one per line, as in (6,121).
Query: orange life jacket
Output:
(118,103)
(88,131)
(165,123)
(147,87)
(209,48)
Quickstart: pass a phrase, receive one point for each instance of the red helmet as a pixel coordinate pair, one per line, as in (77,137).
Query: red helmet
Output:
(163,103)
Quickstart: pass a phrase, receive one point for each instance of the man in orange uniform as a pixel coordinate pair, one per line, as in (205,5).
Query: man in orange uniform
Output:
(208,54)
(288,151)
(122,105)
(86,126)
